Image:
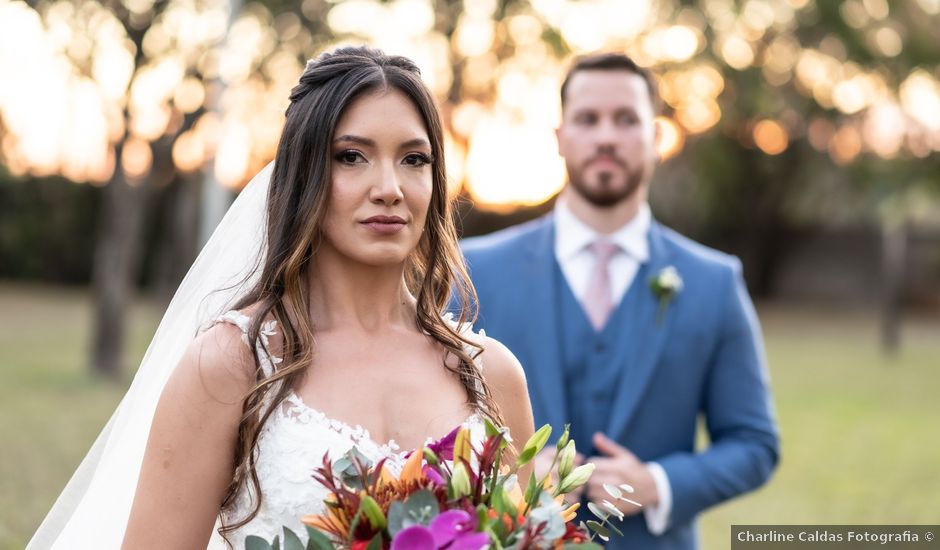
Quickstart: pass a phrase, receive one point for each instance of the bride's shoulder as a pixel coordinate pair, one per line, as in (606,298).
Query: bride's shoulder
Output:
(503,370)
(218,361)
(499,364)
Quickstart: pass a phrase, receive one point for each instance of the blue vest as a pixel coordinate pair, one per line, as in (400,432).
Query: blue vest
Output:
(593,362)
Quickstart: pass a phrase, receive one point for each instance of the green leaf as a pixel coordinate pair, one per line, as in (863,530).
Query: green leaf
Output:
(531,488)
(292,541)
(525,457)
(582,546)
(375,543)
(317,540)
(534,445)
(601,531)
(253,542)
(490,428)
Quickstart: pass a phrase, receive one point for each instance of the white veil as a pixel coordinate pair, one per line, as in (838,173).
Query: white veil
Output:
(94,507)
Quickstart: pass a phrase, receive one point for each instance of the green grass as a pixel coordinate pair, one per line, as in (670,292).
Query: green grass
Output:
(859,438)
(859,431)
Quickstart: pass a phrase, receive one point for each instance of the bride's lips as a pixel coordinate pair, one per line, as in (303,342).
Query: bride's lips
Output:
(385,225)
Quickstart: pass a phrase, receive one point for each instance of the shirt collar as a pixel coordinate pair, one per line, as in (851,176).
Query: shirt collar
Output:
(572,235)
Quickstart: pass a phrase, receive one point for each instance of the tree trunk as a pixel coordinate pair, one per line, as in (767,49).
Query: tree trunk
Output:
(893,261)
(179,241)
(114,268)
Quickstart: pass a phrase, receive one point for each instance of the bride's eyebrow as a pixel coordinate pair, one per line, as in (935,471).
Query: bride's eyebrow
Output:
(366,142)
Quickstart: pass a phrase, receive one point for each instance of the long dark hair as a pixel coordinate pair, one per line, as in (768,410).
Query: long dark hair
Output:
(296,204)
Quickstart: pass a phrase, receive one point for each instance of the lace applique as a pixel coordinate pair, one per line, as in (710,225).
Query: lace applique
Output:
(268,328)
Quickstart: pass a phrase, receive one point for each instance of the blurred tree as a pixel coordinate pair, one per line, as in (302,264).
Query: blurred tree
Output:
(780,117)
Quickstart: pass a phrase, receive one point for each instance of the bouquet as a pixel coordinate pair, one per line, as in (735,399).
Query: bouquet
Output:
(452,495)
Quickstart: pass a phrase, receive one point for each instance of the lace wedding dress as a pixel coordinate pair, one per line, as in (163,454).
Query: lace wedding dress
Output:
(291,445)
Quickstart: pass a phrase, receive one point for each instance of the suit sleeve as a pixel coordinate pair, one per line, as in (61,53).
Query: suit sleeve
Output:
(739,416)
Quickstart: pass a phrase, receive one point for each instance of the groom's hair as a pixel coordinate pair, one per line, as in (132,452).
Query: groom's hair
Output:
(610,61)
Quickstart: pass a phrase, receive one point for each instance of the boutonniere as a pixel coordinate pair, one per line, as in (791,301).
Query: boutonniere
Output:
(666,285)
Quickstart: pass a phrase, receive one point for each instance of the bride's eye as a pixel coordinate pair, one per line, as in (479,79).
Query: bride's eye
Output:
(417,159)
(349,157)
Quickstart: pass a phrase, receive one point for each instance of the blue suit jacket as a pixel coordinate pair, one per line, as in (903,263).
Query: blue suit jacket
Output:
(704,355)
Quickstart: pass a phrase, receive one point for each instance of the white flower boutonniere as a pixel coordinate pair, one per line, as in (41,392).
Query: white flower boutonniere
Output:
(666,285)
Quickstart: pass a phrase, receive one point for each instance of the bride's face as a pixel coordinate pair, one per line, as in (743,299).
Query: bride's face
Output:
(381,180)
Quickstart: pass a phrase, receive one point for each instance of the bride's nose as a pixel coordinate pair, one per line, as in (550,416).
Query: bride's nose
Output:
(386,188)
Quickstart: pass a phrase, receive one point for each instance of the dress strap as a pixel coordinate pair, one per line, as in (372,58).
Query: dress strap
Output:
(268,328)
(478,338)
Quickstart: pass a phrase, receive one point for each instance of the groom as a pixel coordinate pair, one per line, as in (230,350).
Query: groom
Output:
(627,330)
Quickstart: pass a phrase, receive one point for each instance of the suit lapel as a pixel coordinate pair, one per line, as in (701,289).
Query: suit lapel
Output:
(541,335)
(647,339)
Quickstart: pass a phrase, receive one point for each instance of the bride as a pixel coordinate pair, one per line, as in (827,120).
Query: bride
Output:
(335,268)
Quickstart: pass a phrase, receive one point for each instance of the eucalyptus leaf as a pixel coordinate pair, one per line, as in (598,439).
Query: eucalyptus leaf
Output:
(397,519)
(292,541)
(613,528)
(253,542)
(614,511)
(613,490)
(317,540)
(420,508)
(549,515)
(601,531)
(597,511)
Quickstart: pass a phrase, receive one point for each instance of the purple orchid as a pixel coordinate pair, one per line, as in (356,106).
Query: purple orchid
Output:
(444,447)
(432,474)
(451,530)
(416,537)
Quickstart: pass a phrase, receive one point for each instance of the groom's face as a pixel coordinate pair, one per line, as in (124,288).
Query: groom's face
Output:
(607,135)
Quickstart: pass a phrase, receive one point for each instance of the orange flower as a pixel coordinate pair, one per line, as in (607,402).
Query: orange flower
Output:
(334,520)
(411,471)
(570,512)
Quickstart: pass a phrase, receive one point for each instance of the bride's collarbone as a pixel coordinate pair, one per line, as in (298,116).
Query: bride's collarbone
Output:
(407,409)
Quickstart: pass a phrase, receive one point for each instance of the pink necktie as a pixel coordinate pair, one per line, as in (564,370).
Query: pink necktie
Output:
(598,302)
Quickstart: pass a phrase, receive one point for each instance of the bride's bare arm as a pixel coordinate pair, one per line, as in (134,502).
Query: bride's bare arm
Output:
(506,379)
(188,462)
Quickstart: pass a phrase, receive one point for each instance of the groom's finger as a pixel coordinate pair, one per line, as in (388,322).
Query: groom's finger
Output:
(608,446)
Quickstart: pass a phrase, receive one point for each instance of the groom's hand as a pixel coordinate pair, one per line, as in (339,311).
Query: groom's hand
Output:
(617,466)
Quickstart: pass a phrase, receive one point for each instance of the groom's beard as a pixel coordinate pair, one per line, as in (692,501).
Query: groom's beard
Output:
(606,191)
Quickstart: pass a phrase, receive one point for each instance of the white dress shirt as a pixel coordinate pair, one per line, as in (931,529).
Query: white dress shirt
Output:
(572,237)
